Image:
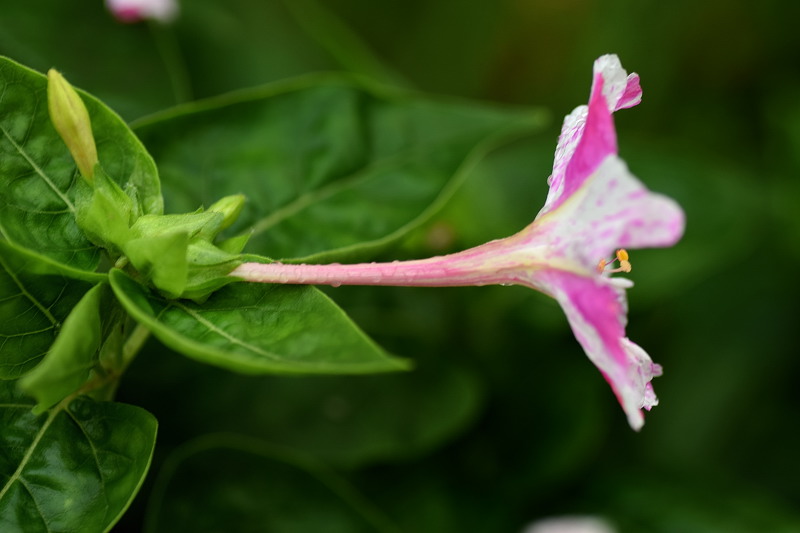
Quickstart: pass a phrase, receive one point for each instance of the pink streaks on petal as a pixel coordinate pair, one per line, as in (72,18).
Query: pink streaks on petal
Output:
(597,313)
(128,14)
(599,140)
(620,91)
(632,95)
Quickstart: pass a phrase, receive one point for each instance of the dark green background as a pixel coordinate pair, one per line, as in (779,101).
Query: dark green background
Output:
(505,420)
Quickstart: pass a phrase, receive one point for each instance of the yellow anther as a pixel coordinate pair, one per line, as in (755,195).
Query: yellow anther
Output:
(624,263)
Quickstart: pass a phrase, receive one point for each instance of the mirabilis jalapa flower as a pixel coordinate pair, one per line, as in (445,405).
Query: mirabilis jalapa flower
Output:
(595,209)
(137,10)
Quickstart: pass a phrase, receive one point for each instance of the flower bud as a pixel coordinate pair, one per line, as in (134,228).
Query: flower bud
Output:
(230,207)
(71,120)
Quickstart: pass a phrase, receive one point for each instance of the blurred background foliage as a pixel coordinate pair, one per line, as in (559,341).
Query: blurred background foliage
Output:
(504,421)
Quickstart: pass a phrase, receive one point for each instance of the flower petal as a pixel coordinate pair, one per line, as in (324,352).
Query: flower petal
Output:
(611,209)
(136,10)
(621,90)
(596,309)
(588,134)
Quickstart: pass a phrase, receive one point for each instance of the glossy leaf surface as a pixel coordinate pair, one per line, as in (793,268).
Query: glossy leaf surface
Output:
(258,328)
(35,299)
(76,468)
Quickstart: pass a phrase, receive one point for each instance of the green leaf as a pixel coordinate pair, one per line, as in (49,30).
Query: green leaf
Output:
(72,469)
(71,357)
(35,298)
(258,328)
(347,421)
(249,485)
(38,175)
(38,264)
(331,165)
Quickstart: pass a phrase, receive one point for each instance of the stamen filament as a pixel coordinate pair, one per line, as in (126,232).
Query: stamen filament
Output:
(624,264)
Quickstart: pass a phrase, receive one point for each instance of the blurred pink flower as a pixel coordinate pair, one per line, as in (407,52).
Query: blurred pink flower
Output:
(136,10)
(595,208)
(570,524)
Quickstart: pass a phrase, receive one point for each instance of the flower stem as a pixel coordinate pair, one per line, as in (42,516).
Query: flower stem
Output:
(504,261)
(104,386)
(133,344)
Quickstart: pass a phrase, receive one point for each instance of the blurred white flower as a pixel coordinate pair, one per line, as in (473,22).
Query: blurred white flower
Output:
(136,10)
(570,524)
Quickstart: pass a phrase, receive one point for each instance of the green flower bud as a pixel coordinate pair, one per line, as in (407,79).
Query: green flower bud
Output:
(230,207)
(71,120)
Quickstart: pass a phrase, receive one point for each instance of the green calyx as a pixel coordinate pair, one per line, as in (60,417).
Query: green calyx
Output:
(176,254)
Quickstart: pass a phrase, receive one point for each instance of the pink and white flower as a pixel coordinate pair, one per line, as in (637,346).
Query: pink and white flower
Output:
(595,208)
(137,10)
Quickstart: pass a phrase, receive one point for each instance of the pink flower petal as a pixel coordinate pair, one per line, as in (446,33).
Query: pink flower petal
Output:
(596,311)
(598,141)
(588,135)
(621,90)
(632,95)
(612,209)
(136,10)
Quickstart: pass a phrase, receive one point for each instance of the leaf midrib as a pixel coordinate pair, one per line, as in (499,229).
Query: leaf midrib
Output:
(28,295)
(29,452)
(324,192)
(222,333)
(362,175)
(38,170)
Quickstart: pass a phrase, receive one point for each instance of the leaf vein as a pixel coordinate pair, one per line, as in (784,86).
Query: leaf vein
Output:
(38,170)
(94,456)
(309,198)
(45,311)
(36,504)
(213,328)
(28,454)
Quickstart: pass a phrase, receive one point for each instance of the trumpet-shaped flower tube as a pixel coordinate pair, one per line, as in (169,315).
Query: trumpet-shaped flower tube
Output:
(595,209)
(136,10)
